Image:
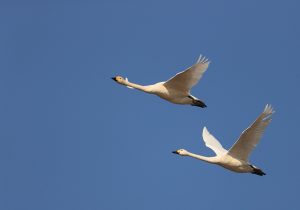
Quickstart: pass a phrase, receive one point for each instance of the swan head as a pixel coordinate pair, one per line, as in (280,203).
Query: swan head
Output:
(119,79)
(182,152)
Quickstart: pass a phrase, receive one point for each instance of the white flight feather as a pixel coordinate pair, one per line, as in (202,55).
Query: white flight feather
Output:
(212,143)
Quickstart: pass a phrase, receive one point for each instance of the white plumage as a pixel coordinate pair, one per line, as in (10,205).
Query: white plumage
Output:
(236,158)
(251,136)
(212,143)
(177,89)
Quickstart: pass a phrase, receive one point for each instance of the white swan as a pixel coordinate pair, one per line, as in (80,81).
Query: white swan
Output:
(177,89)
(236,159)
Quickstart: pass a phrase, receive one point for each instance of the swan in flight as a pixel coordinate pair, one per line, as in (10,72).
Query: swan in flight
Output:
(236,158)
(177,89)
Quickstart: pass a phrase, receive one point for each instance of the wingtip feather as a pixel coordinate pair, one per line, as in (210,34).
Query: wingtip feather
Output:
(205,131)
(203,59)
(268,111)
(199,59)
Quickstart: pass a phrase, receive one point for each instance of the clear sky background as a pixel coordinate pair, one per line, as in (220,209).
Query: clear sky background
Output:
(71,138)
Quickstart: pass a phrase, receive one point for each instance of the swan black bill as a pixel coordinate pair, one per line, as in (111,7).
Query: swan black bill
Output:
(113,78)
(175,152)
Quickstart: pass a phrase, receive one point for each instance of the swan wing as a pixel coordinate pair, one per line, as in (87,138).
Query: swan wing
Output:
(186,79)
(212,143)
(251,136)
(126,79)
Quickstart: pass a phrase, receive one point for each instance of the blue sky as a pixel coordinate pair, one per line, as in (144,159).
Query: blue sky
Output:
(71,138)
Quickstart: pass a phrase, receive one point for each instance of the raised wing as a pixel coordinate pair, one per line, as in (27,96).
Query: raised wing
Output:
(186,79)
(212,143)
(251,136)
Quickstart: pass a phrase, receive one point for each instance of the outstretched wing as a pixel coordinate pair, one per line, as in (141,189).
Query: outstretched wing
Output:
(212,143)
(251,136)
(186,79)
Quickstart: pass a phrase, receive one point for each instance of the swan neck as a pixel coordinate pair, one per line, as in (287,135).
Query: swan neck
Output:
(203,158)
(137,86)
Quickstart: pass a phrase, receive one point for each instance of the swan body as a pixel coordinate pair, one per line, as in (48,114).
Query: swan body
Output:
(177,89)
(236,158)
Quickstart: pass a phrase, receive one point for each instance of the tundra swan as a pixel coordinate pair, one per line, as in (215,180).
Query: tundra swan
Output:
(177,89)
(236,158)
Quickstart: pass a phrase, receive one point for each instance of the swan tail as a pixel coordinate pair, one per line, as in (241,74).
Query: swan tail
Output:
(257,171)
